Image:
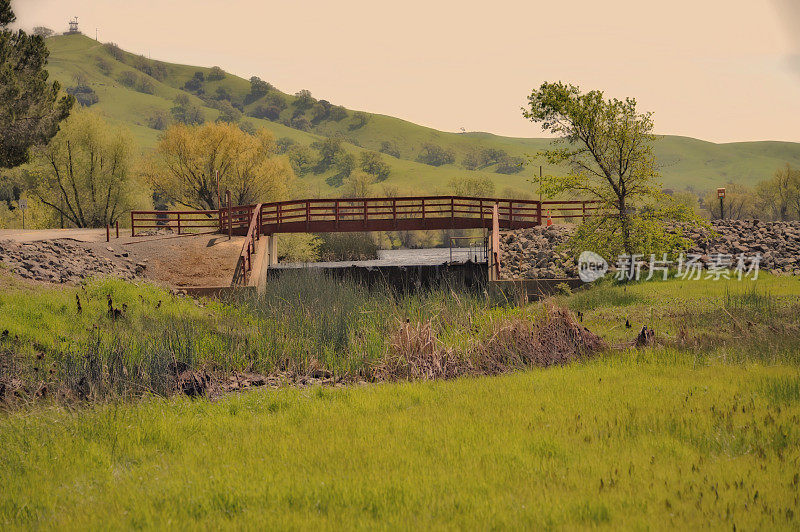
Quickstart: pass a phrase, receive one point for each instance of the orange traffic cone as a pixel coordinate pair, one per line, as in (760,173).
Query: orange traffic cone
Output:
(549,219)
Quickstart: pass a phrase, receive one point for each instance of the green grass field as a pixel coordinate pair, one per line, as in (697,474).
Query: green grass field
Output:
(700,430)
(686,162)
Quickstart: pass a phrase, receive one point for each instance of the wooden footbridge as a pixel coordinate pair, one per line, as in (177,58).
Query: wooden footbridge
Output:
(358,215)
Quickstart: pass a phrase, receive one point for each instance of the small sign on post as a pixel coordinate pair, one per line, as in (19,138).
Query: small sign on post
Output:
(23,205)
(721,196)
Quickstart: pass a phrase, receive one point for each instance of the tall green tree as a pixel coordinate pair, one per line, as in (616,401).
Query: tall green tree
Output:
(30,107)
(607,146)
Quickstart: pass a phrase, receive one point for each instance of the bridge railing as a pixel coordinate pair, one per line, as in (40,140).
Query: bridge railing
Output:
(366,214)
(330,213)
(244,265)
(180,222)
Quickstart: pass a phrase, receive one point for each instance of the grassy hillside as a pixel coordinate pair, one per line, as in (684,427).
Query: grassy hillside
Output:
(686,162)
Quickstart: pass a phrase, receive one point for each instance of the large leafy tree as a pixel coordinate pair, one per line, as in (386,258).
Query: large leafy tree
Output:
(188,159)
(607,146)
(86,172)
(30,107)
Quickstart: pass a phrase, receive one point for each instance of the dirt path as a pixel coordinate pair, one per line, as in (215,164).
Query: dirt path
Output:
(177,261)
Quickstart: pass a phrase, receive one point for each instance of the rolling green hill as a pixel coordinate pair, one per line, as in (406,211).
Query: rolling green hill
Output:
(686,162)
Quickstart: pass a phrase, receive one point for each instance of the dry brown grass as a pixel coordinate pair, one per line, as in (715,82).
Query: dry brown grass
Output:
(416,352)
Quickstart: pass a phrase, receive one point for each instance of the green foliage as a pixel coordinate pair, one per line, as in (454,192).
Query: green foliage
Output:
(43,32)
(275,99)
(475,187)
(83,94)
(435,155)
(155,69)
(301,159)
(328,149)
(114,51)
(30,107)
(159,120)
(267,113)
(390,148)
(344,163)
(779,197)
(85,173)
(189,159)
(359,120)
(303,100)
(372,163)
(215,74)
(195,83)
(187,112)
(607,145)
(347,247)
(227,112)
(337,113)
(258,88)
(510,165)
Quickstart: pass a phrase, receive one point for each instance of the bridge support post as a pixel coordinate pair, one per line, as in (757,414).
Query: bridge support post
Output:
(272,249)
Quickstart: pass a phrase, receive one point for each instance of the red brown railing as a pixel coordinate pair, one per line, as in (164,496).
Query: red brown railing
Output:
(413,213)
(182,222)
(244,266)
(367,214)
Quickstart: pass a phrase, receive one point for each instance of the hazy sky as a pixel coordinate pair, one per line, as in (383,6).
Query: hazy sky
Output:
(720,70)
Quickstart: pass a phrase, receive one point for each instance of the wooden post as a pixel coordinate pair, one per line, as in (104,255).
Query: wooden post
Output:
(336,213)
(308,214)
(538,213)
(116,224)
(108,233)
(230,212)
(394,212)
(133,228)
(179,223)
(366,214)
(423,208)
(584,212)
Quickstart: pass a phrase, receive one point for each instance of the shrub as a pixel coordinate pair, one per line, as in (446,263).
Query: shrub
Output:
(154,69)
(265,112)
(84,95)
(300,158)
(195,84)
(159,120)
(338,113)
(114,51)
(215,74)
(104,65)
(372,163)
(389,149)
(283,144)
(275,99)
(435,155)
(300,122)
(359,120)
(347,246)
(303,100)
(510,165)
(129,78)
(222,93)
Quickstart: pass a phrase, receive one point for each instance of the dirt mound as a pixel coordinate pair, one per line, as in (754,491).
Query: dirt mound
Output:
(416,353)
